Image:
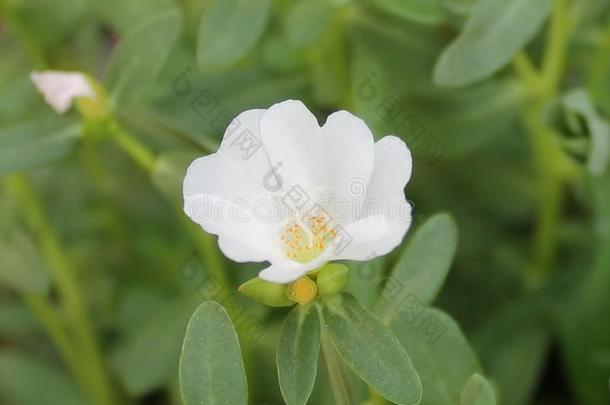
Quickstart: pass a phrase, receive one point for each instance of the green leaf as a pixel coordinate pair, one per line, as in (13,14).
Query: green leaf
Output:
(478,391)
(21,267)
(585,337)
(211,368)
(515,361)
(578,105)
(265,292)
(423,266)
(28,380)
(329,67)
(364,280)
(421,11)
(458,122)
(37,143)
(297,354)
(229,30)
(141,54)
(121,15)
(17,321)
(306,21)
(440,352)
(371,350)
(48,23)
(494,32)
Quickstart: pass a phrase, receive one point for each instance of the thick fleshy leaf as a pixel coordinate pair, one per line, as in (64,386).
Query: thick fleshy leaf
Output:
(515,362)
(489,40)
(229,30)
(211,367)
(439,351)
(297,354)
(40,142)
(478,391)
(585,339)
(578,106)
(49,22)
(307,20)
(371,350)
(138,59)
(120,15)
(423,266)
(422,11)
(458,122)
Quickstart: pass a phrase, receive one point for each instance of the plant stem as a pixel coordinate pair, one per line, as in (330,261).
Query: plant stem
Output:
(338,379)
(132,146)
(554,61)
(52,325)
(546,157)
(525,69)
(549,160)
(90,359)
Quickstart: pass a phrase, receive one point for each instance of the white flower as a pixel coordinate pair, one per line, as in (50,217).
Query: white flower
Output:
(60,88)
(283,189)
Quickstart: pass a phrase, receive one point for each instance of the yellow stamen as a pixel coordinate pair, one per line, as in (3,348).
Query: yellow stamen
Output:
(305,239)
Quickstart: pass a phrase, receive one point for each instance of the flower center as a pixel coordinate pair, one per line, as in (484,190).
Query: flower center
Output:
(306,239)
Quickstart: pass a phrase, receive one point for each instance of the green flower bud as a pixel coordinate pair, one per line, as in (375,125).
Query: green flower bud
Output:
(302,291)
(93,109)
(265,292)
(332,279)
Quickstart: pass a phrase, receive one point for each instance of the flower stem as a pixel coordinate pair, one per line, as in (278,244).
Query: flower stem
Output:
(89,357)
(338,379)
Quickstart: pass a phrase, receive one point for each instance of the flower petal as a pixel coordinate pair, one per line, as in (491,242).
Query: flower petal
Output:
(291,137)
(223,192)
(349,148)
(284,271)
(386,213)
(60,88)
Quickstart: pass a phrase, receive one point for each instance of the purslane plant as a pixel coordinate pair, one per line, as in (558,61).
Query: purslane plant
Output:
(311,196)
(358,311)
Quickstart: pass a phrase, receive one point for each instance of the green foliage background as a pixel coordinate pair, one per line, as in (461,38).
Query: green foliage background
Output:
(504,103)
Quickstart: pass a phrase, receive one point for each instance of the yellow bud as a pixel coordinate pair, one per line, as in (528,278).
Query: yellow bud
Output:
(302,291)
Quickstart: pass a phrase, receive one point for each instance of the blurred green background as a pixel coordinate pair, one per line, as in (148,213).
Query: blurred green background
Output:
(100,270)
